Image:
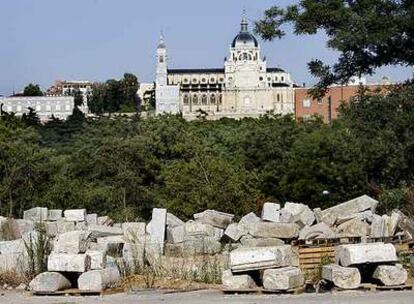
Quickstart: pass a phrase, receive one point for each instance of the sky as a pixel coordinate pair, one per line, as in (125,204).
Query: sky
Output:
(45,40)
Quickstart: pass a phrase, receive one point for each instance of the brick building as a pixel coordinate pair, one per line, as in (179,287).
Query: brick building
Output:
(327,107)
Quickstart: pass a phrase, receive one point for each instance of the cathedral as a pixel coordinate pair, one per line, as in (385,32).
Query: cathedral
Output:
(245,87)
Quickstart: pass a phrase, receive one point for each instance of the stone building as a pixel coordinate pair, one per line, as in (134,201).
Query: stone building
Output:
(244,87)
(45,106)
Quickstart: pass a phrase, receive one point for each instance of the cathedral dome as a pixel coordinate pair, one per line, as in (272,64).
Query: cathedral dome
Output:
(244,38)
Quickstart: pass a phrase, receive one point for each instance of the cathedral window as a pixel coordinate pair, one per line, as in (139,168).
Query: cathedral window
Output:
(186,99)
(204,99)
(213,99)
(195,99)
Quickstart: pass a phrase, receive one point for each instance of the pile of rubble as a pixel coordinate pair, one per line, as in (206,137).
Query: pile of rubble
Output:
(88,251)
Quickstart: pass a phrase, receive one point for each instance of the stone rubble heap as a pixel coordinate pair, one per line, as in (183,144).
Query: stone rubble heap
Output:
(93,248)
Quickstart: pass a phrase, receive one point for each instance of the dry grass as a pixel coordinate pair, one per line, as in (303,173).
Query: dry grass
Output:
(12,278)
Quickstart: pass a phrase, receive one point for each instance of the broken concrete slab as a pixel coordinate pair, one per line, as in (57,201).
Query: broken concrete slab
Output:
(235,231)
(49,282)
(75,215)
(353,206)
(274,230)
(72,242)
(255,258)
(98,259)
(37,214)
(390,275)
(54,215)
(99,231)
(270,212)
(98,280)
(215,218)
(342,277)
(176,234)
(173,221)
(370,253)
(248,241)
(285,278)
(237,282)
(63,262)
(318,231)
(353,228)
(157,229)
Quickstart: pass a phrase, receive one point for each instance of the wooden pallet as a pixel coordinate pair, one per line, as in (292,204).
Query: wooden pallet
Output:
(67,292)
(312,258)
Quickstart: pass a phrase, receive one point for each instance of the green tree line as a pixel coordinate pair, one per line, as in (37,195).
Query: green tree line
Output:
(125,166)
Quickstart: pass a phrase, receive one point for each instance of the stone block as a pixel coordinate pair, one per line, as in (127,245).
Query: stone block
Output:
(99,231)
(355,254)
(274,230)
(92,219)
(405,223)
(394,222)
(255,258)
(342,277)
(75,215)
(81,226)
(285,278)
(237,282)
(133,230)
(391,275)
(173,221)
(98,259)
(214,218)
(12,262)
(270,212)
(133,255)
(362,216)
(37,214)
(51,228)
(19,227)
(157,229)
(353,206)
(176,234)
(54,214)
(235,231)
(105,220)
(63,262)
(63,226)
(98,280)
(378,227)
(12,247)
(297,213)
(72,242)
(248,241)
(353,228)
(194,246)
(318,231)
(249,218)
(49,282)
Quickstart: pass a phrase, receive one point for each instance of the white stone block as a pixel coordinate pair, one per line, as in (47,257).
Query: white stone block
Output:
(274,230)
(237,282)
(318,231)
(37,214)
(99,231)
(176,234)
(214,218)
(133,230)
(391,275)
(249,218)
(255,258)
(75,215)
(342,277)
(173,221)
(72,242)
(354,254)
(98,259)
(98,280)
(157,229)
(54,215)
(92,219)
(235,231)
(270,212)
(63,262)
(285,278)
(49,282)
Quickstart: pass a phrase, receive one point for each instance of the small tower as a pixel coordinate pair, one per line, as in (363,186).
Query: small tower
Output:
(161,73)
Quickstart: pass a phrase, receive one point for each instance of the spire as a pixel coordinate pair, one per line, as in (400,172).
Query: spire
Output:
(161,43)
(244,24)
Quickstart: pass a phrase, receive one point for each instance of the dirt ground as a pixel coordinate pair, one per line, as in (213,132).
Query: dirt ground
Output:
(215,296)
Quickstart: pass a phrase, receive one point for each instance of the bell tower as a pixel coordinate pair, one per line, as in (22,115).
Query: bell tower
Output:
(162,63)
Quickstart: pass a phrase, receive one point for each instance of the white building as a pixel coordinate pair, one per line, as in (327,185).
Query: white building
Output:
(245,87)
(45,106)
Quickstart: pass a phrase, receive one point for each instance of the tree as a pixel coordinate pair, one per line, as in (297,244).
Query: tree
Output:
(368,34)
(32,90)
(31,119)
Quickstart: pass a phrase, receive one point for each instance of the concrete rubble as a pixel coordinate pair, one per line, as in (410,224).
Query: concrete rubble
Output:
(91,246)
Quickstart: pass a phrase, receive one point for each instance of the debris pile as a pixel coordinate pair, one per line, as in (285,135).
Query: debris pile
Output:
(91,252)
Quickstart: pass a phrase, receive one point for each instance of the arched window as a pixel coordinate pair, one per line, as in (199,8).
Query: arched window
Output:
(195,99)
(213,98)
(278,97)
(283,78)
(245,57)
(186,99)
(276,78)
(204,99)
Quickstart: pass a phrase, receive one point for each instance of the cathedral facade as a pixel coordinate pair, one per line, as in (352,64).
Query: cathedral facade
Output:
(244,87)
